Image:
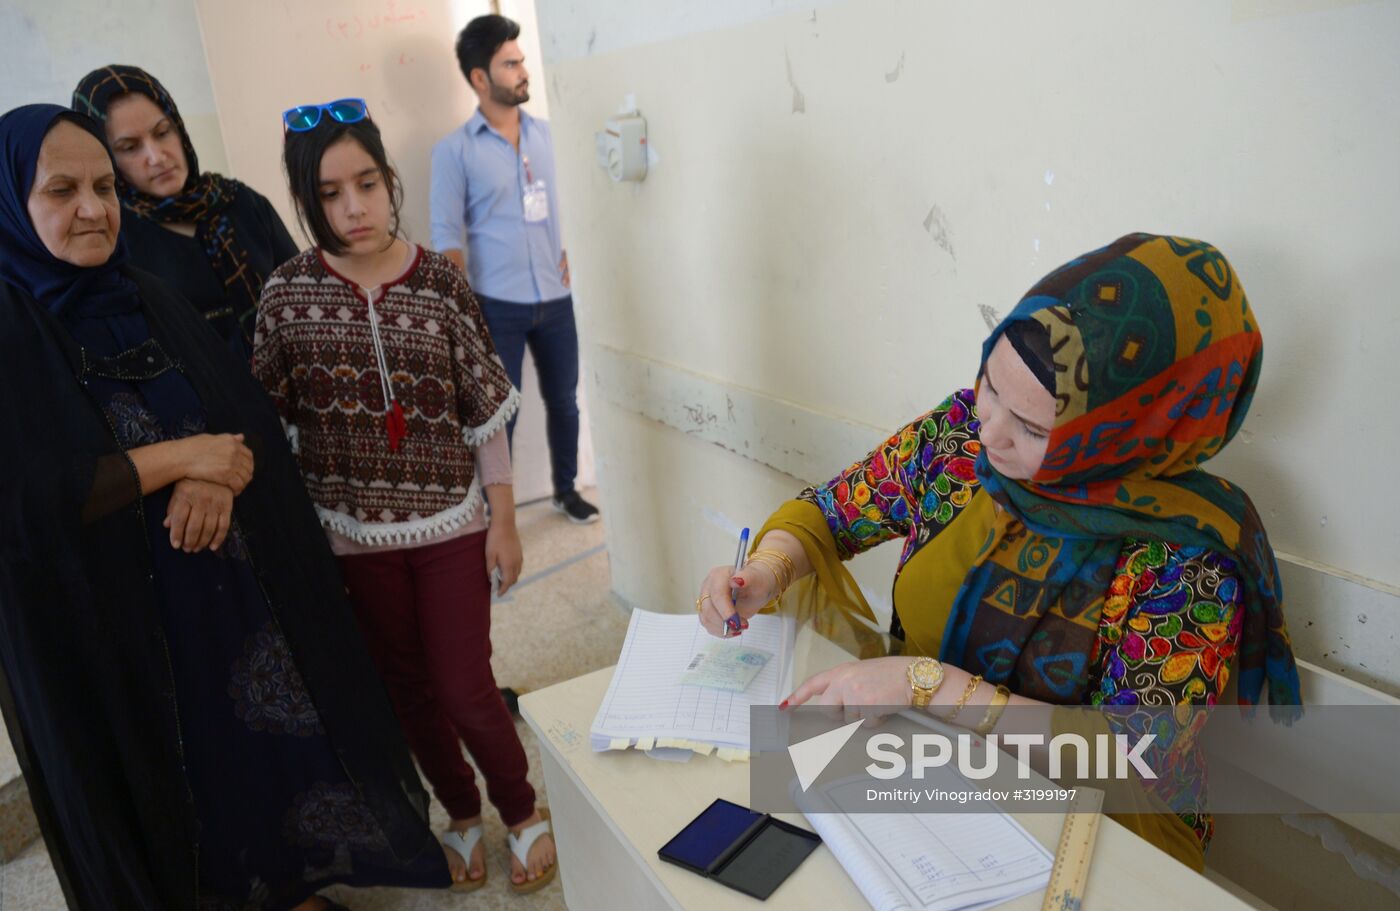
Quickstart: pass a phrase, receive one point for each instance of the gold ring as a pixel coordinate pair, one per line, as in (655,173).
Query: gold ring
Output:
(700,601)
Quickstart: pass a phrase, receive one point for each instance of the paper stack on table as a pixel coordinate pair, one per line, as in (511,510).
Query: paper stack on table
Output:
(649,704)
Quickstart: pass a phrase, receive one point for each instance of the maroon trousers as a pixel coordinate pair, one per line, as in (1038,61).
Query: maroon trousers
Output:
(425,613)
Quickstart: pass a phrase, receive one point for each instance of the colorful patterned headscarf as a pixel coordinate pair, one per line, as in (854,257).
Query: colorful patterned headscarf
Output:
(203,201)
(1156,357)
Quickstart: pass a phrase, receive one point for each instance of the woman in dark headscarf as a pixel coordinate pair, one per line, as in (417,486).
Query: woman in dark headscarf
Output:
(213,239)
(196,716)
(1062,545)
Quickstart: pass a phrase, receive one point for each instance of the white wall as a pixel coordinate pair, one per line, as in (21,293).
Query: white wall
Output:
(842,188)
(47,46)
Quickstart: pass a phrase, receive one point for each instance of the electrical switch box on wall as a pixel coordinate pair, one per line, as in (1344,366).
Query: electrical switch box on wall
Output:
(622,147)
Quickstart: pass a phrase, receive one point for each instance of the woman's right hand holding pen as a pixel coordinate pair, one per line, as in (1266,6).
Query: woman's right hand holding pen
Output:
(777,562)
(754,585)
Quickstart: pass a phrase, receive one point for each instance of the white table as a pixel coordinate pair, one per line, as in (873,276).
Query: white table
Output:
(613,810)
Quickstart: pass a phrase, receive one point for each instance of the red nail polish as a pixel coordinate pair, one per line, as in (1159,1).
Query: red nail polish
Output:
(739,582)
(783,704)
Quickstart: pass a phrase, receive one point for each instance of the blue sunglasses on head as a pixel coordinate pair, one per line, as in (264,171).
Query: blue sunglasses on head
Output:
(306,116)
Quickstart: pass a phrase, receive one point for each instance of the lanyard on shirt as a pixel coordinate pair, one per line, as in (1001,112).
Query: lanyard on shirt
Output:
(535,198)
(394,422)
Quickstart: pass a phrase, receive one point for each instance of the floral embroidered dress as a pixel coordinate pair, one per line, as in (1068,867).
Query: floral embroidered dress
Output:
(1120,573)
(1170,619)
(278,815)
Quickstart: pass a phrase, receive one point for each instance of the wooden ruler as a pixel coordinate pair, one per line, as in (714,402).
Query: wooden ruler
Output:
(1071,871)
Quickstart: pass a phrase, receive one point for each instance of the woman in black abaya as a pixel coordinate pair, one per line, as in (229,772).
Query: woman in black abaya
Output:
(198,721)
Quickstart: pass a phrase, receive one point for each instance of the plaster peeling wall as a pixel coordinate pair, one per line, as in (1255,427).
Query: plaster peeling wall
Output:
(1342,624)
(845,194)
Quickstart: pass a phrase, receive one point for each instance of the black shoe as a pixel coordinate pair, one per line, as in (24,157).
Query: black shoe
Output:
(511,699)
(579,510)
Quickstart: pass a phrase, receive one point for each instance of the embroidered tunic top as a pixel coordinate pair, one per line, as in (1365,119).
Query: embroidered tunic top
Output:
(315,352)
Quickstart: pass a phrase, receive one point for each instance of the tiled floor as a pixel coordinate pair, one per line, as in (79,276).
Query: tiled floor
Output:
(558,623)
(9,765)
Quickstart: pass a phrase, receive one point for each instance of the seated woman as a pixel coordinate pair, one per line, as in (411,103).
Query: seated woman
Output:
(211,238)
(1062,545)
(198,720)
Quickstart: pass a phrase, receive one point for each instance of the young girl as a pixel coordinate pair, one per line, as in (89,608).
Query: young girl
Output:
(376,355)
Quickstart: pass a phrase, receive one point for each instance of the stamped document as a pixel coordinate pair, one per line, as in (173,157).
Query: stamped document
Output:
(723,666)
(651,703)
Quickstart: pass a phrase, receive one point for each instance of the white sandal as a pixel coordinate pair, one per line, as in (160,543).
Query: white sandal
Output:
(520,846)
(464,843)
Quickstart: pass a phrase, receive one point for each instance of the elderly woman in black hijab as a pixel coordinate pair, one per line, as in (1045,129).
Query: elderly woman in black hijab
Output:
(212,238)
(197,719)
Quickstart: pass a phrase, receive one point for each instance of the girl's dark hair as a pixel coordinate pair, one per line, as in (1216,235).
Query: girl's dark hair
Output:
(301,156)
(480,41)
(1032,341)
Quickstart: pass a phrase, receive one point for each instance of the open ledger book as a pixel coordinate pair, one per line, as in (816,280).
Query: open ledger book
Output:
(927,861)
(648,706)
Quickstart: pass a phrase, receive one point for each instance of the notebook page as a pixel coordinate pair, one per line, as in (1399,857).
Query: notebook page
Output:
(865,871)
(646,699)
(932,861)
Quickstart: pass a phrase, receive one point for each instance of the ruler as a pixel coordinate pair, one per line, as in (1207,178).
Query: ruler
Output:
(1071,871)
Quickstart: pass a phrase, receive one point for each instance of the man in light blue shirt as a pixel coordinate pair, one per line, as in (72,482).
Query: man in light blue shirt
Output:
(496,213)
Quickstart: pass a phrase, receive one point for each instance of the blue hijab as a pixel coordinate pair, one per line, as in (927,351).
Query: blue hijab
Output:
(25,263)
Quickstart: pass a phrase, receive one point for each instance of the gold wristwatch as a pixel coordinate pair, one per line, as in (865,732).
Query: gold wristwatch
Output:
(925,677)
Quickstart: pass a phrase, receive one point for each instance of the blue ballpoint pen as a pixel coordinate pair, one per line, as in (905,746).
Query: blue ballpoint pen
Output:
(734,624)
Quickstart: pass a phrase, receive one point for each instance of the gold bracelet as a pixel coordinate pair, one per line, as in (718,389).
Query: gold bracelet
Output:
(786,560)
(777,559)
(772,566)
(994,710)
(776,583)
(971,688)
(788,567)
(782,572)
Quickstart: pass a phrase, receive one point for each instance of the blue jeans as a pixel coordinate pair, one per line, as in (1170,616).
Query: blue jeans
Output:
(549,329)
